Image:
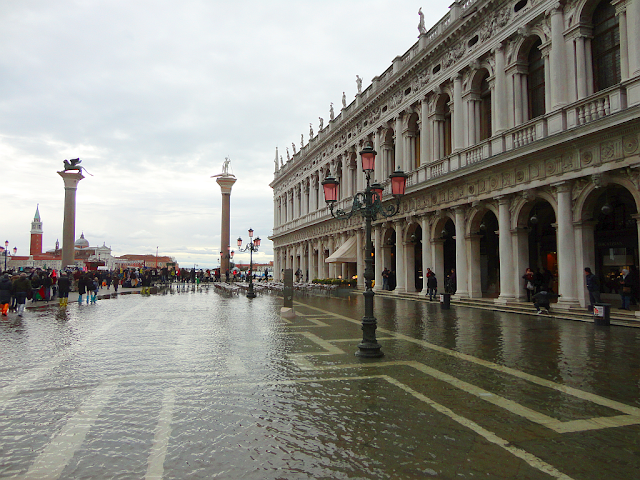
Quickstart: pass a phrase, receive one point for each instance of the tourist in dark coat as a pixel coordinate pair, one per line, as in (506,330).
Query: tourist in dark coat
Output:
(5,293)
(82,288)
(64,285)
(22,287)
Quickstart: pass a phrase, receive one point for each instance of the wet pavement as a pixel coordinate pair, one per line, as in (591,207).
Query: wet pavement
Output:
(196,384)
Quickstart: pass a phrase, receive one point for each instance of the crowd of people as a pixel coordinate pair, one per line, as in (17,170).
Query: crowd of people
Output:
(40,285)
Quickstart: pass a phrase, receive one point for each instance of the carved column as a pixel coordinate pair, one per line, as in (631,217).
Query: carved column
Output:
(360,257)
(399,160)
(566,248)
(505,245)
(425,133)
(500,92)
(458,114)
(400,264)
(427,260)
(378,257)
(462,269)
(558,58)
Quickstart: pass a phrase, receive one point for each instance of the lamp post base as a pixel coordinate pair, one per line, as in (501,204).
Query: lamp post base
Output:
(369,350)
(251,293)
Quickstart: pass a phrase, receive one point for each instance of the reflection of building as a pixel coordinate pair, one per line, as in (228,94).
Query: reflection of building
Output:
(517,124)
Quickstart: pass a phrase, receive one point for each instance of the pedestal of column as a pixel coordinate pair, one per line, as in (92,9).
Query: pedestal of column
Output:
(71,181)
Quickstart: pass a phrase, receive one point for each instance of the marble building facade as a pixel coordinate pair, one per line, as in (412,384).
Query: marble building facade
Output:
(518,124)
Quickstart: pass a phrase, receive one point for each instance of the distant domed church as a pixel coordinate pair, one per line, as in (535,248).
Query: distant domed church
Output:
(85,255)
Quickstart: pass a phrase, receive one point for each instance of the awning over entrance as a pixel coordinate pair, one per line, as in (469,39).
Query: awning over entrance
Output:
(346,253)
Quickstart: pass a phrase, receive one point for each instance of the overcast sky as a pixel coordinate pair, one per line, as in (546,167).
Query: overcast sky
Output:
(153,95)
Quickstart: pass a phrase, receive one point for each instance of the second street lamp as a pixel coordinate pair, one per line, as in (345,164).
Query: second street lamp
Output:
(369,205)
(252,246)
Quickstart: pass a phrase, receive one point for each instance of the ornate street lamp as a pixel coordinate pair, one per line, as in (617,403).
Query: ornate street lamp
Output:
(252,246)
(369,205)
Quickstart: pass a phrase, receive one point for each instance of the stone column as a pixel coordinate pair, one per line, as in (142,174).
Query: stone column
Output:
(585,256)
(71,181)
(633,32)
(475,270)
(462,270)
(581,67)
(425,133)
(566,248)
(399,161)
(558,58)
(360,257)
(320,260)
(520,237)
(505,246)
(226,183)
(458,114)
(312,269)
(409,266)
(332,265)
(500,92)
(379,264)
(427,260)
(400,265)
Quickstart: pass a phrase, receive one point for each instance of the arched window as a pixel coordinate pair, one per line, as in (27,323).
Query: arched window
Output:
(485,109)
(605,46)
(535,81)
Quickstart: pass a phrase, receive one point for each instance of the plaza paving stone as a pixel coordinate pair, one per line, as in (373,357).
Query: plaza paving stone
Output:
(196,384)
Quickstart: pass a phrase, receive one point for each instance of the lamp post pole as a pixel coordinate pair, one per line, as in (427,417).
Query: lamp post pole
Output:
(369,205)
(252,246)
(6,252)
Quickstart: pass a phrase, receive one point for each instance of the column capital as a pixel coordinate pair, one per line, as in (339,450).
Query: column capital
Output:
(562,187)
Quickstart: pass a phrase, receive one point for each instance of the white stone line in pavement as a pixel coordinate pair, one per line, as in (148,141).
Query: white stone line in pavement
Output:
(155,462)
(531,459)
(51,462)
(590,397)
(9,391)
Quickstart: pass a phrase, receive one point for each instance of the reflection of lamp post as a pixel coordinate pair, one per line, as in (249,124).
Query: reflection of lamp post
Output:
(369,205)
(252,246)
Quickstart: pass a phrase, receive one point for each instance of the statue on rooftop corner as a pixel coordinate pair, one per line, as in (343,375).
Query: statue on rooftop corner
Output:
(344,100)
(359,83)
(421,28)
(310,131)
(293,145)
(321,123)
(331,114)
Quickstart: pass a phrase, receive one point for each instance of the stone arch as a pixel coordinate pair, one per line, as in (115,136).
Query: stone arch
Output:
(521,209)
(476,215)
(586,200)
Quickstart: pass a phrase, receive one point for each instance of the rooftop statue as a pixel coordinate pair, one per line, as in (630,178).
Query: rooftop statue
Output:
(331,114)
(421,28)
(359,83)
(321,123)
(310,131)
(344,100)
(293,145)
(301,140)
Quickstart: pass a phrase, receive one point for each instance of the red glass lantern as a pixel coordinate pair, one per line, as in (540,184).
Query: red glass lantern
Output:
(377,189)
(257,241)
(330,186)
(398,183)
(251,233)
(239,241)
(368,155)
